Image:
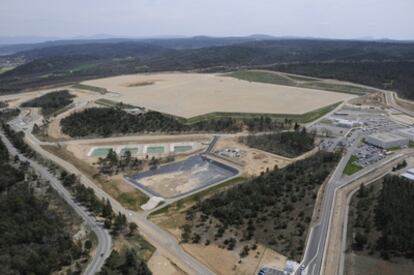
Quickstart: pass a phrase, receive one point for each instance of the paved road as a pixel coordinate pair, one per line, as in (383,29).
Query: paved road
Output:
(162,240)
(316,245)
(391,101)
(103,249)
(317,237)
(212,144)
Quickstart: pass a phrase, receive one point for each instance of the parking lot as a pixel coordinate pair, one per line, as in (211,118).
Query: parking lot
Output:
(355,123)
(368,154)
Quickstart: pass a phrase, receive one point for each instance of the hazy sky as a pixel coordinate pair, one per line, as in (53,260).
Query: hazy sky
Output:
(318,18)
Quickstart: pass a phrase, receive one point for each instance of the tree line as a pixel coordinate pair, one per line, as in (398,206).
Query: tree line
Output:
(288,144)
(113,121)
(394,217)
(35,238)
(8,114)
(116,223)
(383,218)
(50,103)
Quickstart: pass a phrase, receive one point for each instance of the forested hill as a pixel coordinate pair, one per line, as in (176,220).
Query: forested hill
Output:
(35,237)
(391,75)
(101,50)
(70,63)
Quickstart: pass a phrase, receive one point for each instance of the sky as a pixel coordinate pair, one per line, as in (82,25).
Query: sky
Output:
(148,18)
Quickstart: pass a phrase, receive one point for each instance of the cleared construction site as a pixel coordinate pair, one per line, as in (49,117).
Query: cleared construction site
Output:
(189,94)
(182,177)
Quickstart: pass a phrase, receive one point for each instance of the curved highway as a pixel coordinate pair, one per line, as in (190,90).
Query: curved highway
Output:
(103,248)
(162,240)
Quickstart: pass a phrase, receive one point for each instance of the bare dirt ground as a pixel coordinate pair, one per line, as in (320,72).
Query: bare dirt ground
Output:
(370,99)
(223,261)
(407,104)
(252,161)
(365,265)
(191,94)
(159,264)
(171,184)
(202,138)
(219,260)
(273,259)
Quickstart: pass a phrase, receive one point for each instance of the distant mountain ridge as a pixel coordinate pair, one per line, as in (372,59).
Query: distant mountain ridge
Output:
(55,63)
(12,45)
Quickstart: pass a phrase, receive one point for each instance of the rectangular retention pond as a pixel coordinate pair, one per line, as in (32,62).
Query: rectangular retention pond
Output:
(100,152)
(176,179)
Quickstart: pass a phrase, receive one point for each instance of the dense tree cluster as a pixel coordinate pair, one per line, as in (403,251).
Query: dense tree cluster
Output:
(109,121)
(87,197)
(116,223)
(51,102)
(17,138)
(382,218)
(34,238)
(288,144)
(400,166)
(8,114)
(274,208)
(394,217)
(114,163)
(109,164)
(112,121)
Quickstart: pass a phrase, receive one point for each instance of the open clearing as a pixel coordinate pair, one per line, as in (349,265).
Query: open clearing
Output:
(221,260)
(191,94)
(251,161)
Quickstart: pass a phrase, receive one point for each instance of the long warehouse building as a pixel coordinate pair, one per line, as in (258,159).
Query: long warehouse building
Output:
(387,140)
(407,132)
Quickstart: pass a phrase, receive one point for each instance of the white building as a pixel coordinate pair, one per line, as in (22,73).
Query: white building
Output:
(409,174)
(386,140)
(346,123)
(230,152)
(135,111)
(407,132)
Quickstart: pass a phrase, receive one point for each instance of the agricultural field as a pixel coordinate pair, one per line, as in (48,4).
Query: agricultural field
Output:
(189,94)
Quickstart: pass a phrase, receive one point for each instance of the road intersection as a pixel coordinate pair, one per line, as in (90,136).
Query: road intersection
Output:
(315,252)
(167,245)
